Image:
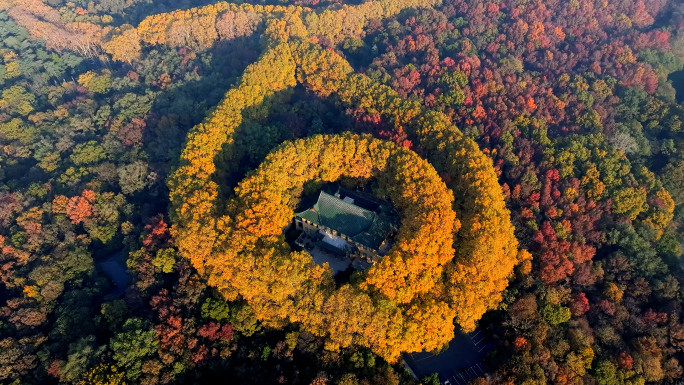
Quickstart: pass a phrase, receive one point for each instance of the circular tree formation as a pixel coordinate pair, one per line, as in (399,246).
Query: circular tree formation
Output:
(410,299)
(398,299)
(486,247)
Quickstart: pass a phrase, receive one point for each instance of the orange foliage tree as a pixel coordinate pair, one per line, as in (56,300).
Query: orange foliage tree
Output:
(486,248)
(198,27)
(193,193)
(239,245)
(202,26)
(400,297)
(45,22)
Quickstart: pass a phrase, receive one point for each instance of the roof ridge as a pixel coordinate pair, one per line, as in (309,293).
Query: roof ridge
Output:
(345,203)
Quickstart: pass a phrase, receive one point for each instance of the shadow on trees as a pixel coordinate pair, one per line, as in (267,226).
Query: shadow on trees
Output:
(677,79)
(142,9)
(176,111)
(286,115)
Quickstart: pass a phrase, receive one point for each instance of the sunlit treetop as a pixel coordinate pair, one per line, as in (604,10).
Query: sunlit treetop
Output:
(199,27)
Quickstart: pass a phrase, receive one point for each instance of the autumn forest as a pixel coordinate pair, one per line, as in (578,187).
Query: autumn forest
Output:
(153,154)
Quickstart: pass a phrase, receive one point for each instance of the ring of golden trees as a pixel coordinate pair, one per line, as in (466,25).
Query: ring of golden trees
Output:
(400,297)
(455,250)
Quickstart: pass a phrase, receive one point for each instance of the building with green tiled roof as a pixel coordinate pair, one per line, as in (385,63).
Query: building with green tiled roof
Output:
(338,224)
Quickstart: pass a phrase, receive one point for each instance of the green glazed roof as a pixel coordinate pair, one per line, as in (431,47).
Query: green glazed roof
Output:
(344,217)
(376,233)
(362,226)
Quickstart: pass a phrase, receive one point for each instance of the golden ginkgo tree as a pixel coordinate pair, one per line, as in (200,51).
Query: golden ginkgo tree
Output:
(402,296)
(411,298)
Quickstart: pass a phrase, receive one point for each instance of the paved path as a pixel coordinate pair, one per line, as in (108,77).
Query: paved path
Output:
(336,262)
(461,362)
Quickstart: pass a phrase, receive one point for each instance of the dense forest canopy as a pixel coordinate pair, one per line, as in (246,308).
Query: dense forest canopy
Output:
(166,139)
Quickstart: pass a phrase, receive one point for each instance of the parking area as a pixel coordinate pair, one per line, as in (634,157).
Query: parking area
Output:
(479,339)
(462,377)
(461,362)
